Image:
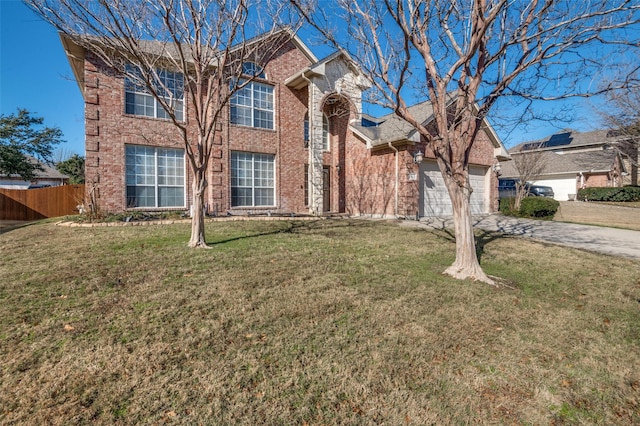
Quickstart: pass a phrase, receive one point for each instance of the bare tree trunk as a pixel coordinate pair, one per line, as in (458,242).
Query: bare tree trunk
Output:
(518,200)
(197,218)
(466,265)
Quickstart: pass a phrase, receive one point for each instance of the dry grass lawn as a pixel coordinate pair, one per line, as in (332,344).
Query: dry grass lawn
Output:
(318,323)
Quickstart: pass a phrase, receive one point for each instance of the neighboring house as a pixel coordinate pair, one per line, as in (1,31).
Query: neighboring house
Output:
(573,160)
(300,144)
(48,176)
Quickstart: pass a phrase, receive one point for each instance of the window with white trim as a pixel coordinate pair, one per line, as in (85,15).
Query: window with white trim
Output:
(252,179)
(154,176)
(138,100)
(253,106)
(325,132)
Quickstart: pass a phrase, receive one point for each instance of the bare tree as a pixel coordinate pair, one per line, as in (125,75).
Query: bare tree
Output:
(464,57)
(621,114)
(529,164)
(203,43)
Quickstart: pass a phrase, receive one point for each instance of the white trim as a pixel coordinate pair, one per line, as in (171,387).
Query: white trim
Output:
(156,185)
(362,136)
(250,86)
(253,187)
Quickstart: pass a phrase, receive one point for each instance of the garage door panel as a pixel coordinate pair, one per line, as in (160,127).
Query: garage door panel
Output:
(477,176)
(434,198)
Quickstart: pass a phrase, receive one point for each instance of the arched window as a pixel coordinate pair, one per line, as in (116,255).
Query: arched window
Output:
(253,69)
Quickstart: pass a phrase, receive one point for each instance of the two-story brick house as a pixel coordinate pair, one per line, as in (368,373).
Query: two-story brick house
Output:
(295,140)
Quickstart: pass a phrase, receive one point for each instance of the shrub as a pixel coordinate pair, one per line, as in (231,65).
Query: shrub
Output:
(506,206)
(627,193)
(539,207)
(536,207)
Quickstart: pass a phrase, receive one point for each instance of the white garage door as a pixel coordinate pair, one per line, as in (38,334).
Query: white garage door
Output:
(434,198)
(562,187)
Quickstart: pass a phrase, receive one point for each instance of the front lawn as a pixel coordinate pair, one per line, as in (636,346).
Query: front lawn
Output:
(311,322)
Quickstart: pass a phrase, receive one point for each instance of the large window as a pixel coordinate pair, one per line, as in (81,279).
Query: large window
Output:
(138,100)
(252,179)
(325,132)
(253,106)
(155,177)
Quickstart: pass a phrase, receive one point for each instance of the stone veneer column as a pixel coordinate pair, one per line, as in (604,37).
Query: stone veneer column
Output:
(339,79)
(315,149)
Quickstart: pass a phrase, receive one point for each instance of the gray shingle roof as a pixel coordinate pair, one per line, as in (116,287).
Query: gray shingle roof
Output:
(569,139)
(392,128)
(568,162)
(47,171)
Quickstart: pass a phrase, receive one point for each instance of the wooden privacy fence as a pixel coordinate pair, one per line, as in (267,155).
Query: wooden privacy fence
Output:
(33,204)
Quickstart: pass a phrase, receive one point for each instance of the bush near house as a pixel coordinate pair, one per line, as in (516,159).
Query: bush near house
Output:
(532,207)
(626,193)
(538,207)
(506,206)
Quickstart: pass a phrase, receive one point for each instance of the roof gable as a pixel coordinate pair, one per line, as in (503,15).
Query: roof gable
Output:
(76,52)
(380,132)
(320,67)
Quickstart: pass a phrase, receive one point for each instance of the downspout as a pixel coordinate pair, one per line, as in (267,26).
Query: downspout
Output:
(395,206)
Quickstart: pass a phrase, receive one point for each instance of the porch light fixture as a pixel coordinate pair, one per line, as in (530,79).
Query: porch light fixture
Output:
(418,157)
(497,168)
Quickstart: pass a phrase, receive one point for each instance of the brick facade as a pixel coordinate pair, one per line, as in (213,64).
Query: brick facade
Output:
(371,177)
(361,180)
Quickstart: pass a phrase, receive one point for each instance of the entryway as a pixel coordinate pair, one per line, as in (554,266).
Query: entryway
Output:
(326,189)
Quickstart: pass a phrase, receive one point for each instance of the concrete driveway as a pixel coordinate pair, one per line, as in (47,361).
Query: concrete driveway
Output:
(611,241)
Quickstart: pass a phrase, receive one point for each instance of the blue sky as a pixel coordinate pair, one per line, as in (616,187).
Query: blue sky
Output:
(35,75)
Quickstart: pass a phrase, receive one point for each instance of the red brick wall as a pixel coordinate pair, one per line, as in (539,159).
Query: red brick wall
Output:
(362,182)
(596,180)
(371,177)
(108,129)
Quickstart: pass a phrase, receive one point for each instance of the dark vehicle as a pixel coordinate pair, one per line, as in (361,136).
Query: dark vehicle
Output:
(507,188)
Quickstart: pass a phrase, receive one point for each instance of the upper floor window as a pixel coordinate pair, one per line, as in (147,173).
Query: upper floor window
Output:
(139,101)
(252,69)
(325,132)
(253,106)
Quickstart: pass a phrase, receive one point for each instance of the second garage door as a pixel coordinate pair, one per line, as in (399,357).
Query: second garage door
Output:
(434,198)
